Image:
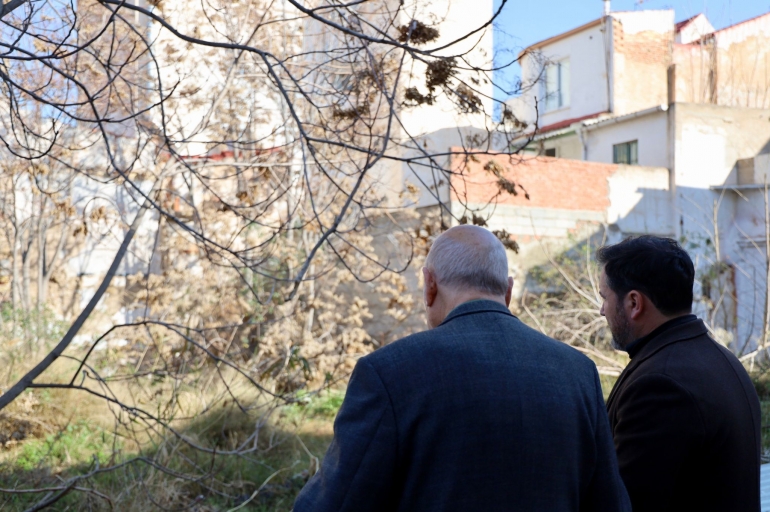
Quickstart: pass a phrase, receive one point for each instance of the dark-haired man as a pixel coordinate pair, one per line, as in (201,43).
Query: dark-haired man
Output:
(684,414)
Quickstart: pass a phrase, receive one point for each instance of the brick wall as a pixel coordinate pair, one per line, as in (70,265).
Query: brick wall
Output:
(550,182)
(640,68)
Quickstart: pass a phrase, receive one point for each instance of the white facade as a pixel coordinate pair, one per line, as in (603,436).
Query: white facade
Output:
(430,130)
(585,50)
(717,152)
(650,129)
(694,29)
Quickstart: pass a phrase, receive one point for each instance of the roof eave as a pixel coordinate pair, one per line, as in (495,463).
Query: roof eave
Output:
(561,36)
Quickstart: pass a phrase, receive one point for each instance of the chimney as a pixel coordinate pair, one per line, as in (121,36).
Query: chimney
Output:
(607,9)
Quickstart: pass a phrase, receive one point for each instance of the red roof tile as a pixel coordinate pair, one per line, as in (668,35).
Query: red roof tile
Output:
(682,24)
(567,122)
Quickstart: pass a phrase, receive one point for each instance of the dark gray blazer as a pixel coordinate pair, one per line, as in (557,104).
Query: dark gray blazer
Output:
(480,414)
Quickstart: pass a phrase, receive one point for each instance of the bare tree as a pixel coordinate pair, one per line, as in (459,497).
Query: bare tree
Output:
(252,170)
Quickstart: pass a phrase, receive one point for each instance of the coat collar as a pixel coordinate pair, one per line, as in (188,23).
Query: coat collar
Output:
(682,332)
(476,306)
(692,328)
(636,347)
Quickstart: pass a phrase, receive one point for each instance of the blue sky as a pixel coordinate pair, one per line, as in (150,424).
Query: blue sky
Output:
(524,22)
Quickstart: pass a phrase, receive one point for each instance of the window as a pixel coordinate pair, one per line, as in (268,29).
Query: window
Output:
(626,153)
(550,152)
(555,87)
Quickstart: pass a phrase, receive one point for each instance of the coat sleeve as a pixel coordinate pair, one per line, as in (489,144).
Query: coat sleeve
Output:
(658,426)
(605,491)
(357,472)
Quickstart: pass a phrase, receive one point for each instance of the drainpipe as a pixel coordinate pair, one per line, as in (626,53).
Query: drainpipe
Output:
(582,135)
(608,49)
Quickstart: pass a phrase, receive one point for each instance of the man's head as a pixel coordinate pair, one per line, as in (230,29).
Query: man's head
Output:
(465,263)
(645,282)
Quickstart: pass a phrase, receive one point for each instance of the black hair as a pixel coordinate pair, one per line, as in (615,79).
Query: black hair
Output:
(657,267)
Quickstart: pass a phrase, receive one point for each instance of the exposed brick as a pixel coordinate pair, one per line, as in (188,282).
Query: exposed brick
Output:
(550,182)
(640,69)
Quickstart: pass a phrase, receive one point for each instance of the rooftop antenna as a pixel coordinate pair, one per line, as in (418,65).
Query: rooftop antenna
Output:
(607,9)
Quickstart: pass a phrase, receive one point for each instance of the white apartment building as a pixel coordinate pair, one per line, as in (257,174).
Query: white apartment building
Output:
(635,88)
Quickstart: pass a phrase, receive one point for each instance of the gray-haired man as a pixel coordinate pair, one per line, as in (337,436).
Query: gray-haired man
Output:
(479,413)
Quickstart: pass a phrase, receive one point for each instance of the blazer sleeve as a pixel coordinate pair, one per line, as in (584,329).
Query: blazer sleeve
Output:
(357,472)
(605,491)
(658,425)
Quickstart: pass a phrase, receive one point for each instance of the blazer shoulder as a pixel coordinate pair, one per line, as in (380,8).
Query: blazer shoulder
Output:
(403,348)
(475,329)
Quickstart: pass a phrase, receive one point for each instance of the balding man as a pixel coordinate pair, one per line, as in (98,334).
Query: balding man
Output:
(480,413)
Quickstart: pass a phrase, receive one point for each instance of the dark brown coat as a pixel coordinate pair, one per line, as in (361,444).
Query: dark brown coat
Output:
(686,423)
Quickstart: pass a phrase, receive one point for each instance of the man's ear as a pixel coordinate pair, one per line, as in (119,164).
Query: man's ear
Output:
(635,304)
(431,288)
(509,293)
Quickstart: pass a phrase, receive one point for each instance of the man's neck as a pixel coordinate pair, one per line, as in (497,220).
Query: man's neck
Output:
(468,297)
(459,299)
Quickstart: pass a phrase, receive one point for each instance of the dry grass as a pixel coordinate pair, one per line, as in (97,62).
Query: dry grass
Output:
(223,447)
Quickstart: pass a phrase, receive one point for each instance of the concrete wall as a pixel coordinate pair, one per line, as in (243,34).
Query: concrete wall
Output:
(743,239)
(743,64)
(691,74)
(708,142)
(641,201)
(730,67)
(717,223)
(567,146)
(650,130)
(709,139)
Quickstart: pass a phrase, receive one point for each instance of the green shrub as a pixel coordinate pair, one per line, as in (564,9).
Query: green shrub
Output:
(324,405)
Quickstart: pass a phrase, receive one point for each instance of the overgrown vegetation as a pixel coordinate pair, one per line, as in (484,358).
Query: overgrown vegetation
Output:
(200,235)
(124,476)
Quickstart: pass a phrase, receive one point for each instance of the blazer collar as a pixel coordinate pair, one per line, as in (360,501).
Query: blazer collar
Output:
(476,306)
(682,332)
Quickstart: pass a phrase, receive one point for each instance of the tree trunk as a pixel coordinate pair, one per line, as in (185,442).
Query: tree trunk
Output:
(25,263)
(16,277)
(42,229)
(25,382)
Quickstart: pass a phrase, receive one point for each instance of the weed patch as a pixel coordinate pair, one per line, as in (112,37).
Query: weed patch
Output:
(75,444)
